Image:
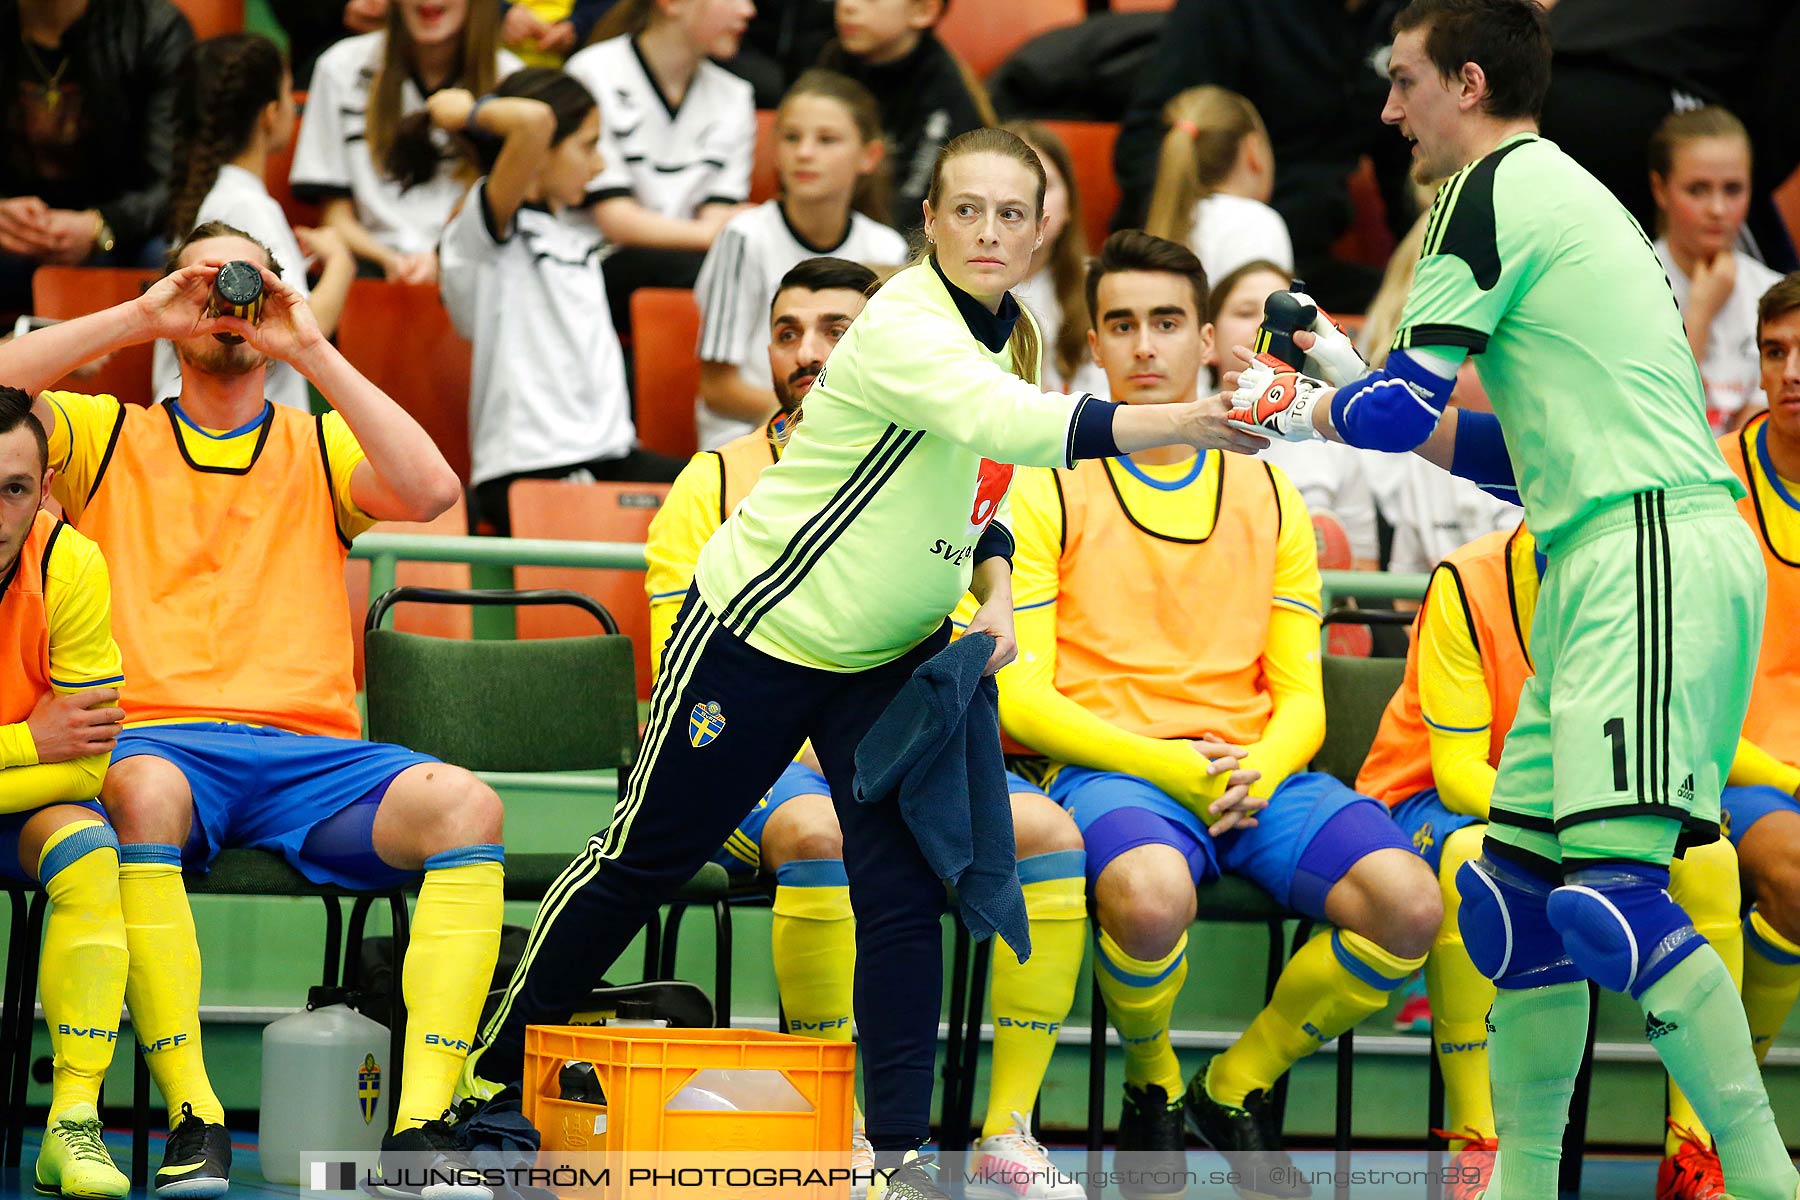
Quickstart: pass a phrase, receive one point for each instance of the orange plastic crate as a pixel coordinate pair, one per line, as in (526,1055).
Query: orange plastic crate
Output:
(641,1070)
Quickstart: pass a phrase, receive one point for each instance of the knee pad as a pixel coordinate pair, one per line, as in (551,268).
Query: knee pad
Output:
(1506,929)
(1621,926)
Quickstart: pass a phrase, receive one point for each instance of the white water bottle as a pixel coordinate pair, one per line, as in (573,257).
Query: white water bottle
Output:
(325,1084)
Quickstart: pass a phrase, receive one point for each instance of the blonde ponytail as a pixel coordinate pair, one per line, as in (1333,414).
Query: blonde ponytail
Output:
(1207,128)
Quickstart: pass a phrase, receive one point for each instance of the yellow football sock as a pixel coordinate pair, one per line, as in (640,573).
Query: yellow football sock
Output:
(1336,980)
(162,985)
(813,942)
(1032,999)
(448,970)
(1771,980)
(1705,883)
(82,969)
(1140,999)
(1460,997)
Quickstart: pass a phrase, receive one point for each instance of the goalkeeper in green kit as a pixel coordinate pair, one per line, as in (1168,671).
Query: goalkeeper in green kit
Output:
(1648,624)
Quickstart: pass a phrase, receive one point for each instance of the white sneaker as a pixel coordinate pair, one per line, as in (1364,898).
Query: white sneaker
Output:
(1014,1166)
(862,1161)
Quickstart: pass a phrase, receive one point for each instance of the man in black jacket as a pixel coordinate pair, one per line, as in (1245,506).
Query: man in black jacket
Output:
(1307,66)
(87,103)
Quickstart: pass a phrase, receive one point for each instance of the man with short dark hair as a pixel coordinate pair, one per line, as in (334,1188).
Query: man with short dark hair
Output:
(59,720)
(1145,713)
(1625,732)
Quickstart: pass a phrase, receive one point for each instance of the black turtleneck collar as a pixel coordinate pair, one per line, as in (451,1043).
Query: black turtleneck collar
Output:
(992,330)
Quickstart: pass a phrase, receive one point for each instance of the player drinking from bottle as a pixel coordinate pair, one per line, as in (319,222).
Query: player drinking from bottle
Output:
(1645,632)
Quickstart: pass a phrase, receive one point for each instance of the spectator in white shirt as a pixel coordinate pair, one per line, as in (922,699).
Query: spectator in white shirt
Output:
(1700,180)
(678,133)
(832,163)
(234,108)
(391,214)
(1214,178)
(547,399)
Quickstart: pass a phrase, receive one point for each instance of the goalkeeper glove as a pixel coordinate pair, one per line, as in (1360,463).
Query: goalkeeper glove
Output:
(1274,401)
(1334,356)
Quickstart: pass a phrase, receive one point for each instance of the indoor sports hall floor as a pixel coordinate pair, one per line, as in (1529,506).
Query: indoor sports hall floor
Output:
(1605,1177)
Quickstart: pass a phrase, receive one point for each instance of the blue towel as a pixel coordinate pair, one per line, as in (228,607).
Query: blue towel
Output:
(937,749)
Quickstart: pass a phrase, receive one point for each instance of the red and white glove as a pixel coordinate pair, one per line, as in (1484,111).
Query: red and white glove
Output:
(1276,402)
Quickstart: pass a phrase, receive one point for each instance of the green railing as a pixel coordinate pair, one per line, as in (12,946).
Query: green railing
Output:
(385,550)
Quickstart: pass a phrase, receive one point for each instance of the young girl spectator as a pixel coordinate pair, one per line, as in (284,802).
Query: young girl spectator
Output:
(1330,476)
(834,199)
(548,397)
(235,108)
(1700,180)
(1055,291)
(927,96)
(1213,183)
(361,89)
(678,134)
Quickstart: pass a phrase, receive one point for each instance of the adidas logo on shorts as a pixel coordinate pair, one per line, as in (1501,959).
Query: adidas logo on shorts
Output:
(1685,793)
(1655,1027)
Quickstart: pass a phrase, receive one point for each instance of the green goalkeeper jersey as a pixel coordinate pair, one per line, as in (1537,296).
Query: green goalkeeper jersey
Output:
(1531,265)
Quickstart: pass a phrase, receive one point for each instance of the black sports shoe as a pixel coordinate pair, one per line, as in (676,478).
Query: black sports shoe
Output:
(1150,1132)
(1243,1136)
(914,1179)
(197,1160)
(435,1164)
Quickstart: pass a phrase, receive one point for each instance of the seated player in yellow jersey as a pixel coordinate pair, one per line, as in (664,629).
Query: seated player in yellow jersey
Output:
(59,690)
(226,521)
(1762,817)
(1168,625)
(792,837)
(1433,762)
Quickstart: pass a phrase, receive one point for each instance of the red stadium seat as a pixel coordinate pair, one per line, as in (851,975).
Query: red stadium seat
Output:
(400,337)
(432,620)
(210,18)
(665,326)
(587,512)
(1090,146)
(1787,201)
(984,33)
(1368,240)
(275,178)
(1335,555)
(765,184)
(64,292)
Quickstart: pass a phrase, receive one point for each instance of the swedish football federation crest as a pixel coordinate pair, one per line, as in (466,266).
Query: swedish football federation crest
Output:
(705,723)
(1424,839)
(368,1087)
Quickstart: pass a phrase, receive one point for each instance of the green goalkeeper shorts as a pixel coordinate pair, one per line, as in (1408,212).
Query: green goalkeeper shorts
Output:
(1645,643)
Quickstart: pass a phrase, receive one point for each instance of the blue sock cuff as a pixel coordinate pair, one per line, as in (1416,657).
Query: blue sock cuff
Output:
(1362,970)
(150,854)
(1058,864)
(1126,977)
(466,856)
(75,846)
(812,873)
(1766,948)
